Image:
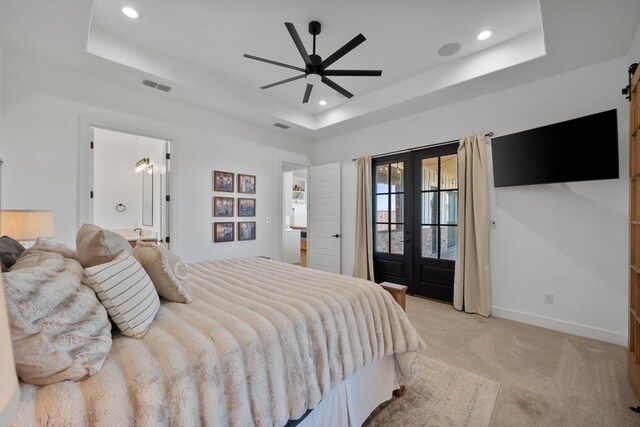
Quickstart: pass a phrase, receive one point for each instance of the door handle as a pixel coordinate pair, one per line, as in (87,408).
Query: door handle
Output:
(408,241)
(337,236)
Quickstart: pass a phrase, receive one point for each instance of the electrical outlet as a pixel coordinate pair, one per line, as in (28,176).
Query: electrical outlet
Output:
(493,224)
(548,298)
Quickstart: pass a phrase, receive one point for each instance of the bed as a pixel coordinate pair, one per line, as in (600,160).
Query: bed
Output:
(262,344)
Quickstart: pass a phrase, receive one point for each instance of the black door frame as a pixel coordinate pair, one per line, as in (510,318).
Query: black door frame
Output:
(408,268)
(440,271)
(395,268)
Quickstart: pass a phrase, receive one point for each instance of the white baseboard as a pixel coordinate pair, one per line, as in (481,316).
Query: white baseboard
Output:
(562,326)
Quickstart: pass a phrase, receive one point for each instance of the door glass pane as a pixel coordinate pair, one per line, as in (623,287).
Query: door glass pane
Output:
(397,238)
(397,208)
(382,179)
(430,208)
(448,242)
(449,172)
(449,207)
(397,177)
(430,174)
(382,208)
(429,241)
(382,238)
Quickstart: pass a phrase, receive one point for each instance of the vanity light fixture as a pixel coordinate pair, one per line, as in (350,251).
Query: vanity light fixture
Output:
(142,165)
(484,34)
(131,12)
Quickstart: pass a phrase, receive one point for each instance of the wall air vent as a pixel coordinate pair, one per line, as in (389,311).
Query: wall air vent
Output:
(281,126)
(155,85)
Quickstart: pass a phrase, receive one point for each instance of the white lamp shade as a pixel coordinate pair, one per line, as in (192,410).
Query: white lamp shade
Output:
(9,389)
(24,225)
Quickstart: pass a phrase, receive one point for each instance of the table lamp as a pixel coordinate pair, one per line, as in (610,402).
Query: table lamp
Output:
(26,225)
(9,389)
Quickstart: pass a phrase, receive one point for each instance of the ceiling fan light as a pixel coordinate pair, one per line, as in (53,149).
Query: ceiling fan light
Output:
(313,79)
(131,12)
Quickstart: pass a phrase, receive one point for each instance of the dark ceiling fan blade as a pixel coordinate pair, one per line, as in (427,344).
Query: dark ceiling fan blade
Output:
(335,86)
(307,93)
(371,73)
(283,81)
(268,61)
(343,50)
(298,42)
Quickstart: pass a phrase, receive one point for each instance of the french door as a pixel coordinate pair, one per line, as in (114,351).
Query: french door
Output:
(415,208)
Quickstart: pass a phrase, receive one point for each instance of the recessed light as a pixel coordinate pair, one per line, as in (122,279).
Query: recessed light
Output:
(131,12)
(322,102)
(484,34)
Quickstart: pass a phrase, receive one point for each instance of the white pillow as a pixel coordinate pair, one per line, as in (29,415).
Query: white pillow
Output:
(126,291)
(167,271)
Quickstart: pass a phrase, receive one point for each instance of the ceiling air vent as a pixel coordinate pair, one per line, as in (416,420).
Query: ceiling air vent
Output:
(281,126)
(155,85)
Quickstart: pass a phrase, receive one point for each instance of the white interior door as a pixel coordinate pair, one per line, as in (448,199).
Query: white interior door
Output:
(323,242)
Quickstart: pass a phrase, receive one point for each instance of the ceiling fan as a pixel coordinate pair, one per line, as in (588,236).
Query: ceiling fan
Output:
(315,69)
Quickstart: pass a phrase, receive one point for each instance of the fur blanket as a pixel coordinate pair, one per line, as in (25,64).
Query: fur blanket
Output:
(59,329)
(261,343)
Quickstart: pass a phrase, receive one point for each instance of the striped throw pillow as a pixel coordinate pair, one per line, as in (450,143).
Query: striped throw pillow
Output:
(126,291)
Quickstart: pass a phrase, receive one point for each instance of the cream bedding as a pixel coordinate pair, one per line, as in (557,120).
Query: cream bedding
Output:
(261,342)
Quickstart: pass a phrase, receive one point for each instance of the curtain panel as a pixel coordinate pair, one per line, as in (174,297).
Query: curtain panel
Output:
(363,265)
(472,286)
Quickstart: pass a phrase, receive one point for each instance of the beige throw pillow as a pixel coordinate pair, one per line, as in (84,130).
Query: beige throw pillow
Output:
(167,271)
(126,291)
(96,245)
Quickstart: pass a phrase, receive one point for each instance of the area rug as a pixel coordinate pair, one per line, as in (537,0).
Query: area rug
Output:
(443,395)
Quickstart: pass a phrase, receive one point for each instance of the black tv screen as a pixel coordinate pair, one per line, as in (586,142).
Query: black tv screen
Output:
(583,149)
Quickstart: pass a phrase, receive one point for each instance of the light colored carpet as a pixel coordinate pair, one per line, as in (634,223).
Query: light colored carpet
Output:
(442,396)
(546,378)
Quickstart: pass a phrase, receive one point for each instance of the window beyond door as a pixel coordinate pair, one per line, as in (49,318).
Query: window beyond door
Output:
(389,215)
(439,202)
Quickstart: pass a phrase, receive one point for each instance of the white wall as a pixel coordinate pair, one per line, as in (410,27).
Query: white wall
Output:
(115,180)
(569,239)
(634,50)
(47,112)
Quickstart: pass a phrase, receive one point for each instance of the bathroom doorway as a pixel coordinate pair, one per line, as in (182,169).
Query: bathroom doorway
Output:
(129,193)
(294,210)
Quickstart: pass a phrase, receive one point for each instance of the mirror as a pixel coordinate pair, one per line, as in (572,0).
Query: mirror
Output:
(147,197)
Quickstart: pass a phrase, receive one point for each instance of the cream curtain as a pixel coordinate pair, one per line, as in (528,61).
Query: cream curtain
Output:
(363,266)
(472,287)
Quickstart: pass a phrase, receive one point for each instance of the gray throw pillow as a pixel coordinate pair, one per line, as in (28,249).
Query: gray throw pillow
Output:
(10,251)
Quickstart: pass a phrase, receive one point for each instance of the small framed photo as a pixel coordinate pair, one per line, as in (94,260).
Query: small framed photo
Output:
(246,207)
(223,206)
(223,232)
(246,184)
(246,230)
(223,181)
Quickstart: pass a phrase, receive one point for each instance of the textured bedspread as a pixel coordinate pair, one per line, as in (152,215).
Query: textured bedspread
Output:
(260,344)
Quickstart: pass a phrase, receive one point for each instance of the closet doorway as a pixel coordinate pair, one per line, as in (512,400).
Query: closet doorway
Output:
(415,217)
(129,185)
(294,210)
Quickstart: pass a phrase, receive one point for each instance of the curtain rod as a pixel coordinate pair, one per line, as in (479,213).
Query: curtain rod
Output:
(408,150)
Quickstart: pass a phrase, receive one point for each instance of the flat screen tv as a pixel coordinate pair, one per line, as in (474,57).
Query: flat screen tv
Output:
(582,149)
